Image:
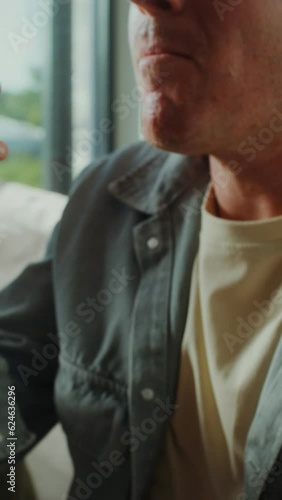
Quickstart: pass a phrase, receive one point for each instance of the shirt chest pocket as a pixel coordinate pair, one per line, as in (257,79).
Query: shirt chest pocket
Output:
(92,410)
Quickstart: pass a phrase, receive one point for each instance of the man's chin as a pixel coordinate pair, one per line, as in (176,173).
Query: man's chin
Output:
(161,133)
(170,140)
(159,141)
(165,126)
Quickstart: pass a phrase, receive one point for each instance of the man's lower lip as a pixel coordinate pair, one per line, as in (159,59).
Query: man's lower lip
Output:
(163,56)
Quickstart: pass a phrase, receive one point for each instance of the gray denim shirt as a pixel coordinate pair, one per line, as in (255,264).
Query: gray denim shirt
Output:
(91,335)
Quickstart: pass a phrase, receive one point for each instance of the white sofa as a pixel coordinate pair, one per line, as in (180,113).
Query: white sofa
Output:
(27,217)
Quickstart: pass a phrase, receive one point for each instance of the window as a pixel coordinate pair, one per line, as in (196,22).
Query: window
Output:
(55,112)
(22,50)
(92,81)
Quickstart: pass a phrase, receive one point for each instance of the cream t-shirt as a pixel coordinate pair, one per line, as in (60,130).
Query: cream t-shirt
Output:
(232,329)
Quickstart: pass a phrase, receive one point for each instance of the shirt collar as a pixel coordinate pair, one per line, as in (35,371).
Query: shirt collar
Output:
(158,179)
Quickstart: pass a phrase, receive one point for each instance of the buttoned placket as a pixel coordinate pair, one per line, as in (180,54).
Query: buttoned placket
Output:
(149,343)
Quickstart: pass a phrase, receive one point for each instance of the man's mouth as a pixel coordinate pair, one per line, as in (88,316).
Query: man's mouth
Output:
(159,51)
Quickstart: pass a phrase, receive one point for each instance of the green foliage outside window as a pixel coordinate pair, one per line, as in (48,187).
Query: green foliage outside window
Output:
(24,106)
(22,168)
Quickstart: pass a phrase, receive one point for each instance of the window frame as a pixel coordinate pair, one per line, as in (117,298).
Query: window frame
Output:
(58,171)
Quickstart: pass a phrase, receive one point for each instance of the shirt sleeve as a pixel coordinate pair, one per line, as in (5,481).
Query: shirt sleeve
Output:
(28,357)
(29,348)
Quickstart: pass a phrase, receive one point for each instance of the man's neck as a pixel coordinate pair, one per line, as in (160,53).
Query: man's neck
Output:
(252,194)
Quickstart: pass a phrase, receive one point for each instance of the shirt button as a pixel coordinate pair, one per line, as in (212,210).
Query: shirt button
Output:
(147,394)
(153,243)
